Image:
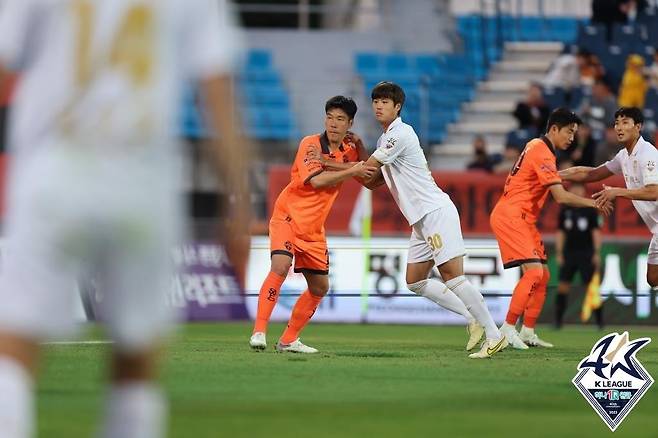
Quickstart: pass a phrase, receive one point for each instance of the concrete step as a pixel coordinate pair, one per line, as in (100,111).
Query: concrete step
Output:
(447,162)
(529,56)
(534,46)
(519,86)
(502,76)
(490,106)
(499,96)
(482,127)
(493,140)
(522,65)
(484,117)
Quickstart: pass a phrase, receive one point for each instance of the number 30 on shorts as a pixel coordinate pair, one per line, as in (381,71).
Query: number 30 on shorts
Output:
(435,242)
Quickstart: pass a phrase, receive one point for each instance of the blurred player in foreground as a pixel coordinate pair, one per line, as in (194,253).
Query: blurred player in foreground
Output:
(94,183)
(514,219)
(636,161)
(322,163)
(436,237)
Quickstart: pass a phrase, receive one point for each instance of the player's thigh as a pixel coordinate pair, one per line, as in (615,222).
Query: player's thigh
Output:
(282,245)
(441,231)
(38,281)
(134,281)
(311,257)
(516,241)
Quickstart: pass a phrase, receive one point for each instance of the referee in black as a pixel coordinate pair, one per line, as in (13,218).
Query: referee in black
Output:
(578,247)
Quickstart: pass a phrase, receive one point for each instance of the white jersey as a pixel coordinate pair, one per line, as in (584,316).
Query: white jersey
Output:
(108,75)
(639,170)
(407,174)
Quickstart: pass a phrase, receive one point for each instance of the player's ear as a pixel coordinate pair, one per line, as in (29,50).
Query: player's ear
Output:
(350,123)
(398,107)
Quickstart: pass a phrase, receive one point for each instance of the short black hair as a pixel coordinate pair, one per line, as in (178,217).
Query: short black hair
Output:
(389,90)
(346,104)
(562,117)
(632,113)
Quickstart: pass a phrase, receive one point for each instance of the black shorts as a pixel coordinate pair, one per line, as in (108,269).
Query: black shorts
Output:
(577,262)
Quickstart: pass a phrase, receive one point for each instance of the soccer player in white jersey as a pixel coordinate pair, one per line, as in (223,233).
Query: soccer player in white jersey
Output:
(94,181)
(436,238)
(636,161)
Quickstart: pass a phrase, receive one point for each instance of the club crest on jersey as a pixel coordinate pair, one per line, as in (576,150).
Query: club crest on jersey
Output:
(612,379)
(651,165)
(391,142)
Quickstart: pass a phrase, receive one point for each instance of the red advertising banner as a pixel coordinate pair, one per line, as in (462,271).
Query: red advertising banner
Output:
(474,193)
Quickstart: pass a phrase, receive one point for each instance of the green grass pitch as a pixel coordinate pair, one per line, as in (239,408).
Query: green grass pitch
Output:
(368,381)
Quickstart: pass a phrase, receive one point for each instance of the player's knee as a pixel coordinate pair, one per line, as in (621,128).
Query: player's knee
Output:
(417,287)
(281,266)
(319,289)
(652,278)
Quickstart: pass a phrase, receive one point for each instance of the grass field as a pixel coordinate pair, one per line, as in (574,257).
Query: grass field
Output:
(368,381)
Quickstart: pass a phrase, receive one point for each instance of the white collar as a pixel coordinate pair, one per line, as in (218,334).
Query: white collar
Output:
(395,122)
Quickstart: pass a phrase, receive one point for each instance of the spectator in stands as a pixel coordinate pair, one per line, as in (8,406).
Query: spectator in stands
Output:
(581,152)
(481,159)
(652,71)
(591,68)
(510,155)
(607,12)
(633,88)
(565,70)
(607,148)
(533,111)
(598,109)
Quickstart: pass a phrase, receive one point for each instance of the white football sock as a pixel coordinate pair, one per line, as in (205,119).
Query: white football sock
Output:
(436,291)
(135,410)
(16,400)
(474,302)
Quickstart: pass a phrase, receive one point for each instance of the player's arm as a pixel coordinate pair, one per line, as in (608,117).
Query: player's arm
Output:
(585,174)
(597,241)
(559,247)
(562,196)
(231,155)
(646,193)
(328,179)
(377,179)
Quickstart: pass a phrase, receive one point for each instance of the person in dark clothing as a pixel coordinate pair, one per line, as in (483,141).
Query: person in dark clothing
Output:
(582,151)
(533,111)
(481,159)
(578,247)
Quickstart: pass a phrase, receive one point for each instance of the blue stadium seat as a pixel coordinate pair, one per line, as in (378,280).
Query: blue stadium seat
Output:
(258,59)
(397,63)
(519,137)
(369,63)
(554,97)
(651,105)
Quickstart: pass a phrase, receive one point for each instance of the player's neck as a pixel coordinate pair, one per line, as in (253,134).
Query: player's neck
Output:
(630,145)
(334,145)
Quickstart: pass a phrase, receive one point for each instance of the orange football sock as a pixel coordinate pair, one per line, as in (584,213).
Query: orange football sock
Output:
(301,315)
(526,286)
(267,298)
(536,302)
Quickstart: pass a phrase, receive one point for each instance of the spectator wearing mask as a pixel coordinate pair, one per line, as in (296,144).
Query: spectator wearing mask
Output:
(481,159)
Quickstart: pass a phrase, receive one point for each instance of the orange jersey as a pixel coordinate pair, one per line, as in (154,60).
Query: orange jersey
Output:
(527,185)
(308,207)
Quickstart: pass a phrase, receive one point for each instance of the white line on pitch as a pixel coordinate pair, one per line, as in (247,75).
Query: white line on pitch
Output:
(78,343)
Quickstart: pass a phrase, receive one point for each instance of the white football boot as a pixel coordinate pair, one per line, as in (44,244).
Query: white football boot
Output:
(258,341)
(475,332)
(489,348)
(529,337)
(513,337)
(295,346)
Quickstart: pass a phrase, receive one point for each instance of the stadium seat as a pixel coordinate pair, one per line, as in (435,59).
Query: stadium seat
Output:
(258,59)
(369,63)
(554,97)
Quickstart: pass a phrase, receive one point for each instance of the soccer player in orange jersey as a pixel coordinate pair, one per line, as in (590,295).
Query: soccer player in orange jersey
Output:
(322,163)
(514,218)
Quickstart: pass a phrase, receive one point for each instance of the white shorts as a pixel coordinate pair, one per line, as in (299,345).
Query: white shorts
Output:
(652,255)
(437,236)
(68,219)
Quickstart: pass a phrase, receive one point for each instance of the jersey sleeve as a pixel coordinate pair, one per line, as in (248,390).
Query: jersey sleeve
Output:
(16,19)
(393,145)
(306,166)
(649,170)
(614,165)
(213,43)
(544,166)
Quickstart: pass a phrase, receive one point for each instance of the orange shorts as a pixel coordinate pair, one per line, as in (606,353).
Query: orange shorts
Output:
(518,240)
(310,257)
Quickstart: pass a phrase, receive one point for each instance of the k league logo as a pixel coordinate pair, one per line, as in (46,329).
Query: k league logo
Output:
(612,379)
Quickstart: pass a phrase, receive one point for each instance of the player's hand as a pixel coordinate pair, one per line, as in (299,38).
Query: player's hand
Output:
(604,197)
(605,208)
(596,261)
(360,170)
